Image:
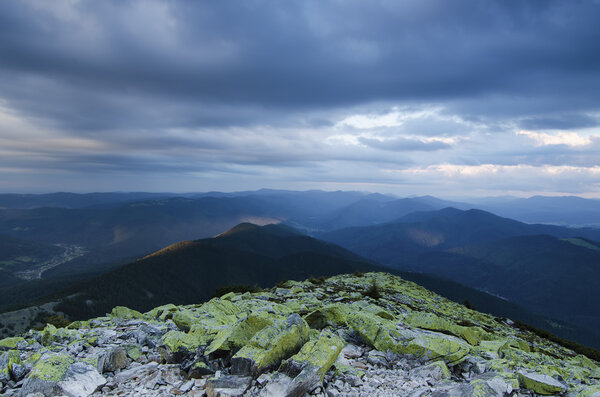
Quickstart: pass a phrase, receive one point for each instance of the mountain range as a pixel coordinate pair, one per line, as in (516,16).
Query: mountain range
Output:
(541,273)
(548,269)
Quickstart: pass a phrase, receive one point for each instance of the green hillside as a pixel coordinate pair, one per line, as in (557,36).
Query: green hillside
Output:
(192,271)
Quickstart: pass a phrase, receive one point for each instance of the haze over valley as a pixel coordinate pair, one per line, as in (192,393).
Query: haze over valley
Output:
(80,245)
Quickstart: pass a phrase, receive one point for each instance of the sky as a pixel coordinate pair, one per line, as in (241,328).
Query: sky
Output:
(449,98)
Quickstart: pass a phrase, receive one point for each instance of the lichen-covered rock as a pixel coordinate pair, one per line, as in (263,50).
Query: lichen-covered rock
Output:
(56,374)
(481,388)
(125,313)
(162,313)
(332,315)
(434,346)
(4,368)
(437,370)
(498,347)
(10,343)
(408,342)
(133,351)
(270,346)
(585,391)
(176,346)
(374,330)
(383,335)
(473,335)
(308,366)
(183,319)
(198,369)
(540,383)
(234,337)
(50,334)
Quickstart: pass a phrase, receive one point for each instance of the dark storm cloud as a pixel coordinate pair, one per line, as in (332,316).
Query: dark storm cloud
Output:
(98,64)
(329,91)
(562,122)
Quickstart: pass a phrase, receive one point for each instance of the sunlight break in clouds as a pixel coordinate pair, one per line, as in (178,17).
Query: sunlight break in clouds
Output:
(490,169)
(395,118)
(561,138)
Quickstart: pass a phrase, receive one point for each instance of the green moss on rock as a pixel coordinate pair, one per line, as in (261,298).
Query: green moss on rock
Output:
(319,353)
(51,367)
(124,313)
(161,313)
(133,350)
(434,346)
(239,334)
(268,347)
(540,383)
(183,319)
(176,341)
(332,315)
(10,343)
(473,335)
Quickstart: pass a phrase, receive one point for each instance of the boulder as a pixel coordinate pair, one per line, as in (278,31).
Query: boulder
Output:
(4,368)
(374,330)
(436,370)
(308,366)
(125,313)
(135,373)
(183,319)
(268,347)
(585,391)
(434,346)
(384,336)
(540,383)
(18,372)
(227,385)
(499,346)
(11,343)
(162,313)
(377,359)
(133,351)
(147,335)
(113,360)
(236,336)
(57,374)
(327,316)
(473,335)
(50,334)
(177,346)
(199,369)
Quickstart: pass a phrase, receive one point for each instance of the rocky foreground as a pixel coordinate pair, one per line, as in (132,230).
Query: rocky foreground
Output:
(349,335)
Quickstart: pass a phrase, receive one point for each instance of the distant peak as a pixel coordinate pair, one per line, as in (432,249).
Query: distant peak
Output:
(276,229)
(241,228)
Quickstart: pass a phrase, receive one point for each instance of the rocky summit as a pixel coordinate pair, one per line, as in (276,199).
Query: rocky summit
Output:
(368,334)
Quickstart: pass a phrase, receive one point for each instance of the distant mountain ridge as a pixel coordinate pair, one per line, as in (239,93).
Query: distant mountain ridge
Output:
(549,269)
(418,234)
(562,210)
(439,230)
(191,271)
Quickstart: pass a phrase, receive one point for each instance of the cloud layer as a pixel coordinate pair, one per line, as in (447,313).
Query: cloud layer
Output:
(412,97)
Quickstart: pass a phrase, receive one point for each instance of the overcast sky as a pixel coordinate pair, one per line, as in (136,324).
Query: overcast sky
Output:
(450,98)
